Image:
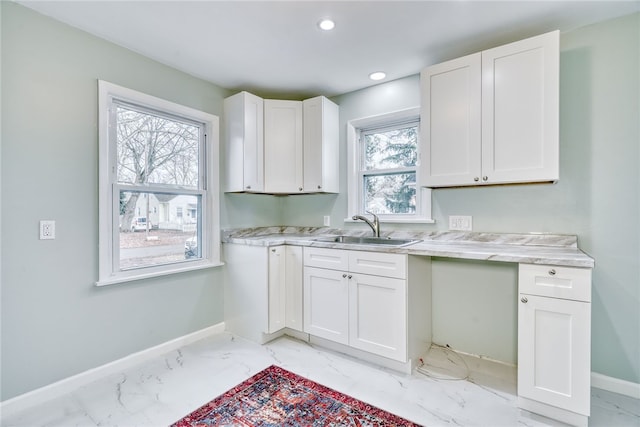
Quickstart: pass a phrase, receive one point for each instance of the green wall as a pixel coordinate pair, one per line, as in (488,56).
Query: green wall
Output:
(56,323)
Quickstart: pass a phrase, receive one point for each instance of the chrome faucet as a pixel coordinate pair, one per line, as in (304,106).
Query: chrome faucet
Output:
(375,225)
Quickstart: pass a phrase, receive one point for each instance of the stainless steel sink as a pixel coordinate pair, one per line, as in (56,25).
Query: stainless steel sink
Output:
(355,240)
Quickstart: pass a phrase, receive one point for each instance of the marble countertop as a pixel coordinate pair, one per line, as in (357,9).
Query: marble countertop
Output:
(530,248)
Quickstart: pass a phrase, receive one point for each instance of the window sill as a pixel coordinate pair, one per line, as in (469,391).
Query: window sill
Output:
(396,220)
(134,277)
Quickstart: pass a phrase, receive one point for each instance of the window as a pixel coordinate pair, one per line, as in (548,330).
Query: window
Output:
(384,158)
(156,158)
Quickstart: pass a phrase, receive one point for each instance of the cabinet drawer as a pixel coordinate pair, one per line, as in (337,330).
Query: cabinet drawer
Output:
(557,282)
(378,264)
(334,259)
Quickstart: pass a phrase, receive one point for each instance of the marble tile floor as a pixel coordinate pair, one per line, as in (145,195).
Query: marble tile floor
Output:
(163,390)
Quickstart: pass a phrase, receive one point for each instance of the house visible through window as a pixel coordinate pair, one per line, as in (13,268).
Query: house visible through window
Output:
(156,159)
(384,151)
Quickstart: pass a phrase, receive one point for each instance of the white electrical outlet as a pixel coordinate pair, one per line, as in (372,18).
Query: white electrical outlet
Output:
(327,220)
(460,223)
(47,229)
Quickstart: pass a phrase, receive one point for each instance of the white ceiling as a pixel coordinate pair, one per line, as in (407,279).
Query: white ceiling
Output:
(274,48)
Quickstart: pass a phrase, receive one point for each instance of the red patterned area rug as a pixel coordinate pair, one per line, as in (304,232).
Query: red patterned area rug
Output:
(277,397)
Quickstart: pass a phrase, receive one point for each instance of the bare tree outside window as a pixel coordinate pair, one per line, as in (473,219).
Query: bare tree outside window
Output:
(153,149)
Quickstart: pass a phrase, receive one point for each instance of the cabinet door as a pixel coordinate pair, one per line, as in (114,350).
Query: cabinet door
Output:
(326,299)
(520,104)
(554,363)
(277,288)
(282,146)
(293,287)
(378,315)
(450,122)
(244,124)
(320,141)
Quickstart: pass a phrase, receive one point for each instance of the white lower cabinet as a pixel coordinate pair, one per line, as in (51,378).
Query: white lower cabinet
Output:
(293,288)
(378,315)
(326,304)
(262,290)
(554,342)
(361,299)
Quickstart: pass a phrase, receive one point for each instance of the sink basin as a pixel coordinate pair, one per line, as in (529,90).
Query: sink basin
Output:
(355,240)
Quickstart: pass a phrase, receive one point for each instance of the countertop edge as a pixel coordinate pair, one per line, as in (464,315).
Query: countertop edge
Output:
(567,256)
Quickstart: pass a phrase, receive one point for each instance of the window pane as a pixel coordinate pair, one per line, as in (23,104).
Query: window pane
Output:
(158,228)
(391,148)
(156,149)
(390,194)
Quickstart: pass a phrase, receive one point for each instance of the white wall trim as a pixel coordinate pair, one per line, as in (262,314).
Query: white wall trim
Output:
(67,385)
(615,385)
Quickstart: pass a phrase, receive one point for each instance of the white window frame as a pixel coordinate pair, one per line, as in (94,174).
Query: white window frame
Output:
(355,176)
(109,189)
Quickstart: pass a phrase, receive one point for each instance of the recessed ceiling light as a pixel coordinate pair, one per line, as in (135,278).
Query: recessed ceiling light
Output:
(326,24)
(378,75)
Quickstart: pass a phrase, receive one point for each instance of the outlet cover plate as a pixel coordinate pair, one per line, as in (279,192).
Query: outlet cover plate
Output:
(460,223)
(47,230)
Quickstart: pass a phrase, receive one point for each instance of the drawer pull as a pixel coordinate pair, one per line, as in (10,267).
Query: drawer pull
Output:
(524,300)
(552,272)
(350,276)
(344,276)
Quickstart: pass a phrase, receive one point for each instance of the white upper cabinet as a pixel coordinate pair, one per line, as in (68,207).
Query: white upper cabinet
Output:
(492,117)
(282,146)
(450,122)
(321,159)
(244,127)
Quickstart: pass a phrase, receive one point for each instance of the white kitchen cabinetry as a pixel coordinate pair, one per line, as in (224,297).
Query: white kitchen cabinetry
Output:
(321,145)
(326,304)
(361,299)
(244,127)
(283,146)
(492,117)
(260,290)
(293,288)
(554,342)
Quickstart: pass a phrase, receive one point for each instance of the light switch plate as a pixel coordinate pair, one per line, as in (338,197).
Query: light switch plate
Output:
(460,223)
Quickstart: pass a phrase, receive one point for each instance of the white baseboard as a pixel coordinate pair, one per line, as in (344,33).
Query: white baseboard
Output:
(67,385)
(615,385)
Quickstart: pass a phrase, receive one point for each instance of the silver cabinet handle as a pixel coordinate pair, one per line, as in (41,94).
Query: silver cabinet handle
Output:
(476,179)
(344,276)
(248,187)
(485,178)
(350,276)
(273,250)
(319,187)
(552,272)
(524,300)
(299,188)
